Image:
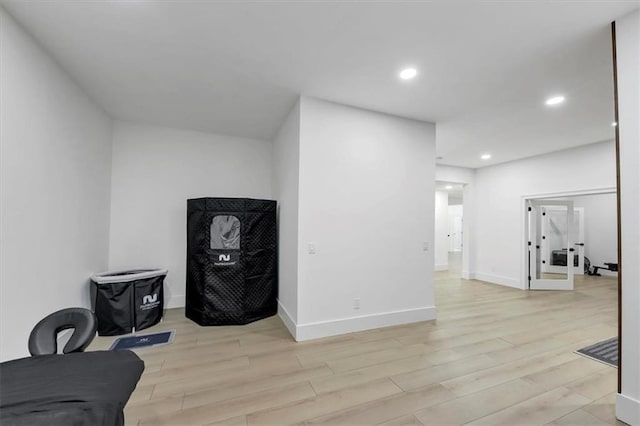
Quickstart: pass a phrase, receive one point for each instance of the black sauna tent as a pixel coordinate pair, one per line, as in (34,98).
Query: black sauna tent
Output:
(232,270)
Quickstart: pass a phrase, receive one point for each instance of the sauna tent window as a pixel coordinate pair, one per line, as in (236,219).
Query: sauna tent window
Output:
(225,232)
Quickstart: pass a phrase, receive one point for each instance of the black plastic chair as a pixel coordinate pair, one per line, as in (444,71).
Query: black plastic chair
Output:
(44,336)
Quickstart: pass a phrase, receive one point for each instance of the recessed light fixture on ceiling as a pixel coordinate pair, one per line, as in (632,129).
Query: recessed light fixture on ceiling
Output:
(614,124)
(448,187)
(408,73)
(554,100)
(485,156)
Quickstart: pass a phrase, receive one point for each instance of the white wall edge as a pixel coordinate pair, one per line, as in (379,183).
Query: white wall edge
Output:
(285,316)
(497,279)
(329,328)
(442,267)
(178,301)
(627,409)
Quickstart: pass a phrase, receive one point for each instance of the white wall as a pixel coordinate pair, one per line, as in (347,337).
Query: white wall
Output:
(441,244)
(286,164)
(600,228)
(366,202)
(455,174)
(155,171)
(628,53)
(55,150)
(499,218)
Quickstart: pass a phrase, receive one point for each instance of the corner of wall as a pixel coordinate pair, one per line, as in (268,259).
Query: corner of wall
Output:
(288,321)
(286,190)
(466,275)
(112,129)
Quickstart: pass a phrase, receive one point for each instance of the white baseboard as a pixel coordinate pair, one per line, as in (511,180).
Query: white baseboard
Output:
(497,279)
(628,409)
(175,301)
(286,318)
(316,330)
(442,267)
(337,327)
(466,275)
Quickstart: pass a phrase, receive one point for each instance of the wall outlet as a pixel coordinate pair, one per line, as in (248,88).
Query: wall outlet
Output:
(425,246)
(311,248)
(356,304)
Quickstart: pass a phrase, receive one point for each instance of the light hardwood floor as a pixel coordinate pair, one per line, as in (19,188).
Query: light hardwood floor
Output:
(495,356)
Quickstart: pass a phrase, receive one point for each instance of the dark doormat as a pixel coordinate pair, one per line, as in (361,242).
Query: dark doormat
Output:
(605,351)
(143,340)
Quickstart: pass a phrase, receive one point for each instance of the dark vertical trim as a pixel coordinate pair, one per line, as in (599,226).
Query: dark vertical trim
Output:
(619,207)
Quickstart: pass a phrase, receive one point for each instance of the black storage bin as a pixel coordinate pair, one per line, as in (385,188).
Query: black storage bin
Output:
(125,301)
(232,269)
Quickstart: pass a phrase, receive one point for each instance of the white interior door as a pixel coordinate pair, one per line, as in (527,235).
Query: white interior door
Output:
(455,233)
(555,261)
(550,228)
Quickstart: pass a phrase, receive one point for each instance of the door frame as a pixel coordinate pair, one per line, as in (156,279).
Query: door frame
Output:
(546,284)
(524,258)
(468,188)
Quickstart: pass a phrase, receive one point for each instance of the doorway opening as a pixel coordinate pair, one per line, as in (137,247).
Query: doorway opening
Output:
(569,236)
(449,232)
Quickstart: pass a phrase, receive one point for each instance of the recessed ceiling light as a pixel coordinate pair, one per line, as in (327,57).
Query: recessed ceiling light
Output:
(408,73)
(448,187)
(485,156)
(614,124)
(554,100)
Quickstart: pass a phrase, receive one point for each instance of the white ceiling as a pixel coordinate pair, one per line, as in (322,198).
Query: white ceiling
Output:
(236,68)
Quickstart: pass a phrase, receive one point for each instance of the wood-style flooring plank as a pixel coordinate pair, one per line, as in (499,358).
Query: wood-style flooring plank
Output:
(539,410)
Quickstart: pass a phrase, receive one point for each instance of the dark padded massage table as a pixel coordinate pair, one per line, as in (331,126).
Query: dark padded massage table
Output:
(84,388)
